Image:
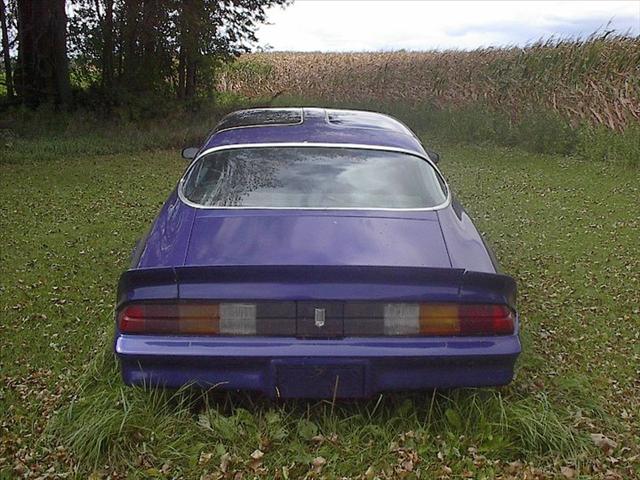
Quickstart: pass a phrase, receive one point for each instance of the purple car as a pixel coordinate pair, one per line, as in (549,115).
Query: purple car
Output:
(315,253)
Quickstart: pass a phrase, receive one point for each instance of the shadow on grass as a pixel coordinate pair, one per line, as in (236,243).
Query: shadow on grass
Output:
(110,424)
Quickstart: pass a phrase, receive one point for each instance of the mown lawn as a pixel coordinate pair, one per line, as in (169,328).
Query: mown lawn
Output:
(566,229)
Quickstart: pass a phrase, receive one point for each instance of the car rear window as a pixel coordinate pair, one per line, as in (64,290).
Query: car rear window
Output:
(312,177)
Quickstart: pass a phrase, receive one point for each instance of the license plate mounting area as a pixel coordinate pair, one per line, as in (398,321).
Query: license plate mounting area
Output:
(303,379)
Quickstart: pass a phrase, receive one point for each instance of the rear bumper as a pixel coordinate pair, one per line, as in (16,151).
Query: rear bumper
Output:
(290,367)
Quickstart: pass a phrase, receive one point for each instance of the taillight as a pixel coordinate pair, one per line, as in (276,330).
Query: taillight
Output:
(435,319)
(485,320)
(188,319)
(357,319)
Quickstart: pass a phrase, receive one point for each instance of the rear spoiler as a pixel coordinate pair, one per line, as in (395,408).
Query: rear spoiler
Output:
(299,282)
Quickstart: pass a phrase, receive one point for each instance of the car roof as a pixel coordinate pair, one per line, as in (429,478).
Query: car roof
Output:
(313,125)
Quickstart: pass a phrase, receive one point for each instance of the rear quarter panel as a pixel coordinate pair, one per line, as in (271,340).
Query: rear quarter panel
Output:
(166,242)
(465,245)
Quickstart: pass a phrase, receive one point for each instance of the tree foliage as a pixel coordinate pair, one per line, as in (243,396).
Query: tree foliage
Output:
(117,49)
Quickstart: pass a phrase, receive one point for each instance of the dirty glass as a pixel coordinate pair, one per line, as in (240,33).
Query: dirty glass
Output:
(313,177)
(261,116)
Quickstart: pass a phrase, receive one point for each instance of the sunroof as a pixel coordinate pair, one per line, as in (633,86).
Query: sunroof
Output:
(261,116)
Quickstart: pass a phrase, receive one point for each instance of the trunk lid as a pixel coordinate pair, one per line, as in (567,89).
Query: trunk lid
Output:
(317,238)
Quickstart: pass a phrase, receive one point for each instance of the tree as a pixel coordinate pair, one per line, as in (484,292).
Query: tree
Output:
(42,72)
(6,52)
(121,49)
(191,21)
(107,50)
(105,22)
(130,34)
(162,46)
(213,31)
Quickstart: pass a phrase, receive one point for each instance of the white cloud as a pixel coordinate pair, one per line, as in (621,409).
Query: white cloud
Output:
(316,25)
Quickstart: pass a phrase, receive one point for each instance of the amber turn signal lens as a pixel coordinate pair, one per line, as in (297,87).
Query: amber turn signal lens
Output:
(439,319)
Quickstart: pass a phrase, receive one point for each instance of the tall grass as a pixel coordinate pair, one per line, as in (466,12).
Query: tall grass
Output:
(593,81)
(107,425)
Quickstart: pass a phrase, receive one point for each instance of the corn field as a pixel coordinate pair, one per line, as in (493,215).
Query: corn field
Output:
(593,81)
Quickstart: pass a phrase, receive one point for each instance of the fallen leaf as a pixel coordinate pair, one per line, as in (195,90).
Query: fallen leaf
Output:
(611,475)
(604,443)
(204,457)
(256,459)
(514,467)
(407,465)
(318,463)
(257,454)
(224,462)
(370,473)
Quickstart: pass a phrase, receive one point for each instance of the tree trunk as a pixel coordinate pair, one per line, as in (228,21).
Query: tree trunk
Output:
(141,43)
(182,52)
(60,61)
(147,32)
(191,77)
(5,51)
(107,45)
(130,40)
(25,79)
(43,68)
(182,66)
(192,12)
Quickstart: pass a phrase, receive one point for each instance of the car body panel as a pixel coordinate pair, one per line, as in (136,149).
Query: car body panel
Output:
(322,239)
(387,364)
(465,245)
(167,241)
(312,282)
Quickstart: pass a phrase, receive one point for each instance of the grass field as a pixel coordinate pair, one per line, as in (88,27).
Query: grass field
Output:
(71,210)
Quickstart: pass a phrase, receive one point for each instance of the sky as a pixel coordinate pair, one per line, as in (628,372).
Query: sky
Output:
(339,25)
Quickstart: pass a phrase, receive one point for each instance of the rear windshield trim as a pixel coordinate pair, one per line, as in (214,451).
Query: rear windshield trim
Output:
(188,202)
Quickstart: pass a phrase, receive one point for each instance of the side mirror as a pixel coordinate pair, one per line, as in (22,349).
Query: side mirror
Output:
(190,153)
(435,157)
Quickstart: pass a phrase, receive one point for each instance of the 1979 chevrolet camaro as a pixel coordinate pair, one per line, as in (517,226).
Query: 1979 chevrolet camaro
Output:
(314,253)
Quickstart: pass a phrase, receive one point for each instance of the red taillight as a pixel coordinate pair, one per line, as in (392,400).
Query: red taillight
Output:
(486,320)
(131,319)
(196,319)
